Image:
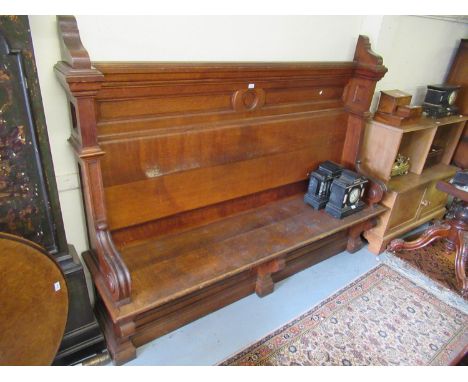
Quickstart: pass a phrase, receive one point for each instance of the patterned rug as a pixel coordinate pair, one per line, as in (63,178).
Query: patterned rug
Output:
(431,267)
(435,262)
(383,318)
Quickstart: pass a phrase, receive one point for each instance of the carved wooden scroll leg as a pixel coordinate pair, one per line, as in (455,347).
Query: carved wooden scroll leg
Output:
(355,242)
(435,232)
(125,350)
(117,336)
(460,262)
(264,284)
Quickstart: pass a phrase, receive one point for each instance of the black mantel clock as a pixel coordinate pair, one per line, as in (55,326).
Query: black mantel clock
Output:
(29,203)
(440,100)
(346,194)
(320,182)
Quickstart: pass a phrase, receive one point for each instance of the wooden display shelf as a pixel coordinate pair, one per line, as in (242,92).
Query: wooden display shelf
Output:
(425,123)
(447,137)
(382,144)
(407,182)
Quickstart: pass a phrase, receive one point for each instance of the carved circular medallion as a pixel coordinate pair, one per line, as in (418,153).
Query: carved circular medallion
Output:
(248,99)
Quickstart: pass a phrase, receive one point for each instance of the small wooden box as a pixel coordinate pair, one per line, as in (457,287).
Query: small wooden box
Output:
(412,112)
(394,108)
(390,100)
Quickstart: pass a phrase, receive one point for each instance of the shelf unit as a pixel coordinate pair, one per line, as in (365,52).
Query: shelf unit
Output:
(411,199)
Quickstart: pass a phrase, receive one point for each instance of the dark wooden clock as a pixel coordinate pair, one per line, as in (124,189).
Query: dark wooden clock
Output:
(346,194)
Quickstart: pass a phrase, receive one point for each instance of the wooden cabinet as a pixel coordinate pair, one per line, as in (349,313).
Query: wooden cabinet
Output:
(406,207)
(458,75)
(412,199)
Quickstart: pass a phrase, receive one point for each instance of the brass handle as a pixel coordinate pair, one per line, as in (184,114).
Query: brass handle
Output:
(425,203)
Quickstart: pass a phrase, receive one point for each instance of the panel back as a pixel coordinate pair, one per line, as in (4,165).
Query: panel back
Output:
(180,138)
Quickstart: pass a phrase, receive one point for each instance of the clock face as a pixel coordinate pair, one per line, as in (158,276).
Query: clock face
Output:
(452,97)
(354,195)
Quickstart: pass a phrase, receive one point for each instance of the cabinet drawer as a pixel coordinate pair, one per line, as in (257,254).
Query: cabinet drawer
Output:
(406,207)
(432,200)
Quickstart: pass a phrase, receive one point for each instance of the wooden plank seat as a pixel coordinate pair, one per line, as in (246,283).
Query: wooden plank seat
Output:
(177,264)
(193,177)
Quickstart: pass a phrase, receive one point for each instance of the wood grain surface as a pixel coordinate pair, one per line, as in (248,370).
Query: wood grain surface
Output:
(34,303)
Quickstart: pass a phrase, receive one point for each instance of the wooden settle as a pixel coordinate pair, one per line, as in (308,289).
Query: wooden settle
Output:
(193,177)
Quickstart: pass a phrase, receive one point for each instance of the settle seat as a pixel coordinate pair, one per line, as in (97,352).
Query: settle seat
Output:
(193,178)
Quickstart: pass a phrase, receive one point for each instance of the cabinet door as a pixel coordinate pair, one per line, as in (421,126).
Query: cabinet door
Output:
(406,207)
(433,199)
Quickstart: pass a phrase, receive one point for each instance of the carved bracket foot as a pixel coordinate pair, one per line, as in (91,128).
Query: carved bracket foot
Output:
(355,241)
(117,336)
(264,284)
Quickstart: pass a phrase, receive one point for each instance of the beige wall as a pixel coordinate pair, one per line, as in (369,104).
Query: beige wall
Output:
(47,52)
(416,50)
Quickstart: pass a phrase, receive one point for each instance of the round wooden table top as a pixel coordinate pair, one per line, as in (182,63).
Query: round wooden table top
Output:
(33,303)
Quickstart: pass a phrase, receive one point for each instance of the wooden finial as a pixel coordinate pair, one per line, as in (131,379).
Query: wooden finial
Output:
(357,97)
(366,58)
(364,52)
(73,51)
